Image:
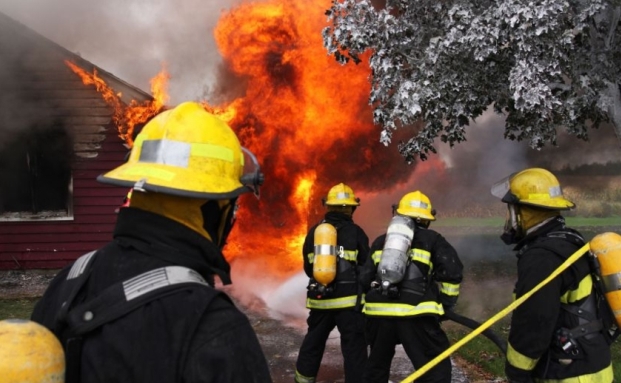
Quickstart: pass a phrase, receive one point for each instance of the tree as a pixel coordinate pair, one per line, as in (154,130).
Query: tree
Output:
(544,64)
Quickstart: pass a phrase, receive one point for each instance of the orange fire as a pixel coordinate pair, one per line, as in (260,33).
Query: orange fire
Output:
(305,116)
(127,117)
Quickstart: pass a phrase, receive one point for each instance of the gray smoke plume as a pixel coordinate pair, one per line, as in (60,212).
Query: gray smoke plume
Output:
(134,39)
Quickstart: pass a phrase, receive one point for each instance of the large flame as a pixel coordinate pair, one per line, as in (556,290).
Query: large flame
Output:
(305,116)
(127,117)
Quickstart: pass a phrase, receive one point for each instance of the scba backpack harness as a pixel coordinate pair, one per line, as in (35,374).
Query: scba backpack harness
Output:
(77,318)
(594,314)
(330,261)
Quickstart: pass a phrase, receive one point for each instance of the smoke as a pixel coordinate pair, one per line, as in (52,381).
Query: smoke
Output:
(133,39)
(487,157)
(36,146)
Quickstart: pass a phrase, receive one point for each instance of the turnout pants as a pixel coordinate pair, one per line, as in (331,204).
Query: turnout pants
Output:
(422,338)
(350,324)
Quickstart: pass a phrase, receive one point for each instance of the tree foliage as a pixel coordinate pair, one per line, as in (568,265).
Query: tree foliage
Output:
(544,64)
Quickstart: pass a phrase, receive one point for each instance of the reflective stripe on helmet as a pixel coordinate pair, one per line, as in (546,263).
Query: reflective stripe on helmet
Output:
(342,195)
(419,204)
(177,153)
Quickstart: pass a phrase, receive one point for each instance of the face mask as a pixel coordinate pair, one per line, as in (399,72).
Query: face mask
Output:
(218,219)
(512,232)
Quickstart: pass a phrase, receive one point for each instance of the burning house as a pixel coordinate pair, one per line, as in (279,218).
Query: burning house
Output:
(56,135)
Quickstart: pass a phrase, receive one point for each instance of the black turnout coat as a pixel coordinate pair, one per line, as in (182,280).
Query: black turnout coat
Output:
(176,338)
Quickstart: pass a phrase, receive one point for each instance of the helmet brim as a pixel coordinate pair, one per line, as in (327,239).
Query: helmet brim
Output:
(172,180)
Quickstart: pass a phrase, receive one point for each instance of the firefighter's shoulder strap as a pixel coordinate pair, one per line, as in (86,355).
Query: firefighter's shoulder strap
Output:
(343,254)
(76,319)
(595,311)
(346,260)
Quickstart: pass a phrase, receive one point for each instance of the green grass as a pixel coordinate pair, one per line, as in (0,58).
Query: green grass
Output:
(485,354)
(498,222)
(17,308)
(480,350)
(593,222)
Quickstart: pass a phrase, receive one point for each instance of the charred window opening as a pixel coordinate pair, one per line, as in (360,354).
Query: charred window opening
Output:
(35,169)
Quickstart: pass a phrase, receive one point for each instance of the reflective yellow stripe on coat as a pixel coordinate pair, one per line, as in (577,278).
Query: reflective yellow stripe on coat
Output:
(402,309)
(348,255)
(328,304)
(418,255)
(519,360)
(450,289)
(604,376)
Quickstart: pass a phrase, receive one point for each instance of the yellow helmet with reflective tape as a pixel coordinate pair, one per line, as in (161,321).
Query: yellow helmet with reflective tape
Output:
(29,353)
(416,205)
(341,195)
(188,152)
(534,187)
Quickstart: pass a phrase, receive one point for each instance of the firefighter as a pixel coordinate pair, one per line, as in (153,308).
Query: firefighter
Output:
(555,335)
(143,308)
(412,276)
(336,303)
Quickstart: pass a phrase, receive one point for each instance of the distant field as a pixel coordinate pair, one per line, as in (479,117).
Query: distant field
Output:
(499,222)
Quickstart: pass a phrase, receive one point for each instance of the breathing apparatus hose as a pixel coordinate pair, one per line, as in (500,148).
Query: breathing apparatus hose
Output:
(573,258)
(472,324)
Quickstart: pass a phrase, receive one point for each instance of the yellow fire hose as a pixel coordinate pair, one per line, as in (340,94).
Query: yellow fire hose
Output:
(573,258)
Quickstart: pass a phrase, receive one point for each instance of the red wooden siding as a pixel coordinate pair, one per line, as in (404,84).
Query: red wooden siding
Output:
(53,244)
(97,148)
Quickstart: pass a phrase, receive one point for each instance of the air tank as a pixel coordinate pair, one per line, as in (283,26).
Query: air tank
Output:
(606,248)
(394,260)
(324,263)
(29,352)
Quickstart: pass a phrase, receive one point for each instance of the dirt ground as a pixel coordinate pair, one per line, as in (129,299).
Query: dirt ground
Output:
(280,339)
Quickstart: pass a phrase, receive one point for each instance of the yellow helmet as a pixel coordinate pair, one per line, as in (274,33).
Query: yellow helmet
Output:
(30,353)
(416,205)
(188,152)
(341,195)
(534,187)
